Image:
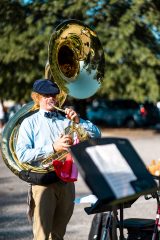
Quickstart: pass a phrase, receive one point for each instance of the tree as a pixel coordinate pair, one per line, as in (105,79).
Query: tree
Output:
(25,33)
(128,31)
(132,50)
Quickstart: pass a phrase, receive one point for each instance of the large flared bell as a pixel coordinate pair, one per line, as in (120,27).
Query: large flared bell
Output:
(76,59)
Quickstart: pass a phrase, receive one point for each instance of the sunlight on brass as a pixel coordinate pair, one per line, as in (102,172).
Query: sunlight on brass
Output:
(76,59)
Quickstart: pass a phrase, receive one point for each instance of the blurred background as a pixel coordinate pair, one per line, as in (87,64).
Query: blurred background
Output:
(130,35)
(126,105)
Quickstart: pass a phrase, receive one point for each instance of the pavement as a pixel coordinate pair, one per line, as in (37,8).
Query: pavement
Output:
(14,224)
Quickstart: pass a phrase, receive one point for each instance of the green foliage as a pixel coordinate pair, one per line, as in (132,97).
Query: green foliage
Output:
(125,29)
(131,50)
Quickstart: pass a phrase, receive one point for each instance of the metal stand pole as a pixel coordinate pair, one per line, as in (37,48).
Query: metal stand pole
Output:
(157,225)
(121,222)
(114,224)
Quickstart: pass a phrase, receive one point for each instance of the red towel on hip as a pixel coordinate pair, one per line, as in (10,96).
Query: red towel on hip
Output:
(67,170)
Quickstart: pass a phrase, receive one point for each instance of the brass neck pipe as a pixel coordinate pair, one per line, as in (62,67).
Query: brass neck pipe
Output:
(59,109)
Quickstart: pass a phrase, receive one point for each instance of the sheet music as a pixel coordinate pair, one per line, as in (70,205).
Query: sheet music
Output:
(114,168)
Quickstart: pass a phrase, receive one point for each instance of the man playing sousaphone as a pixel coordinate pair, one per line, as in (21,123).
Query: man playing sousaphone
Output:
(40,135)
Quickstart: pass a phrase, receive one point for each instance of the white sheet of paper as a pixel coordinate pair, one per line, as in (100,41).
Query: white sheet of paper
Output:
(114,168)
(87,199)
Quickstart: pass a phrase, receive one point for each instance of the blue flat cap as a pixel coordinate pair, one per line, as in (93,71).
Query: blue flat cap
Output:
(45,86)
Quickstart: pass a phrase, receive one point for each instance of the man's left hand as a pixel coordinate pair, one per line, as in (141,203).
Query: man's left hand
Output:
(72,115)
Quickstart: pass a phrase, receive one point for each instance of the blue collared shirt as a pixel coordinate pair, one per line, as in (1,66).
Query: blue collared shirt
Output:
(38,133)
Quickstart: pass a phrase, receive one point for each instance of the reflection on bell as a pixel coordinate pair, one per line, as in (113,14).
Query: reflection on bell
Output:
(85,85)
(76,59)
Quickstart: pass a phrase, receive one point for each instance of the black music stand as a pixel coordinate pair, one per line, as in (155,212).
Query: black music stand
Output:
(89,159)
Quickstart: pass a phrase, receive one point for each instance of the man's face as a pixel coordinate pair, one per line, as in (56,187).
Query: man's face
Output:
(47,101)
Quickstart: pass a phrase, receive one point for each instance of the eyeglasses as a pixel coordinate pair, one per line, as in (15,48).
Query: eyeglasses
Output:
(48,95)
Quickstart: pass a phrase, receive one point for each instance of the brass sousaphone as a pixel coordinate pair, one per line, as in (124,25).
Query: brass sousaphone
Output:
(76,64)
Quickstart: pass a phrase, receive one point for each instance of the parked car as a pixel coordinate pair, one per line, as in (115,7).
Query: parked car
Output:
(158,105)
(122,113)
(151,112)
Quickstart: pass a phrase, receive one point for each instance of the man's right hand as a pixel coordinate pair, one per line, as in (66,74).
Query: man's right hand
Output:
(62,143)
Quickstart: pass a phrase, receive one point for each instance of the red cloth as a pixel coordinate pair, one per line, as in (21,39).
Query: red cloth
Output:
(67,170)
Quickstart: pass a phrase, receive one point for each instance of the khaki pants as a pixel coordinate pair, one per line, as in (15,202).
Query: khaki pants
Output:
(53,209)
